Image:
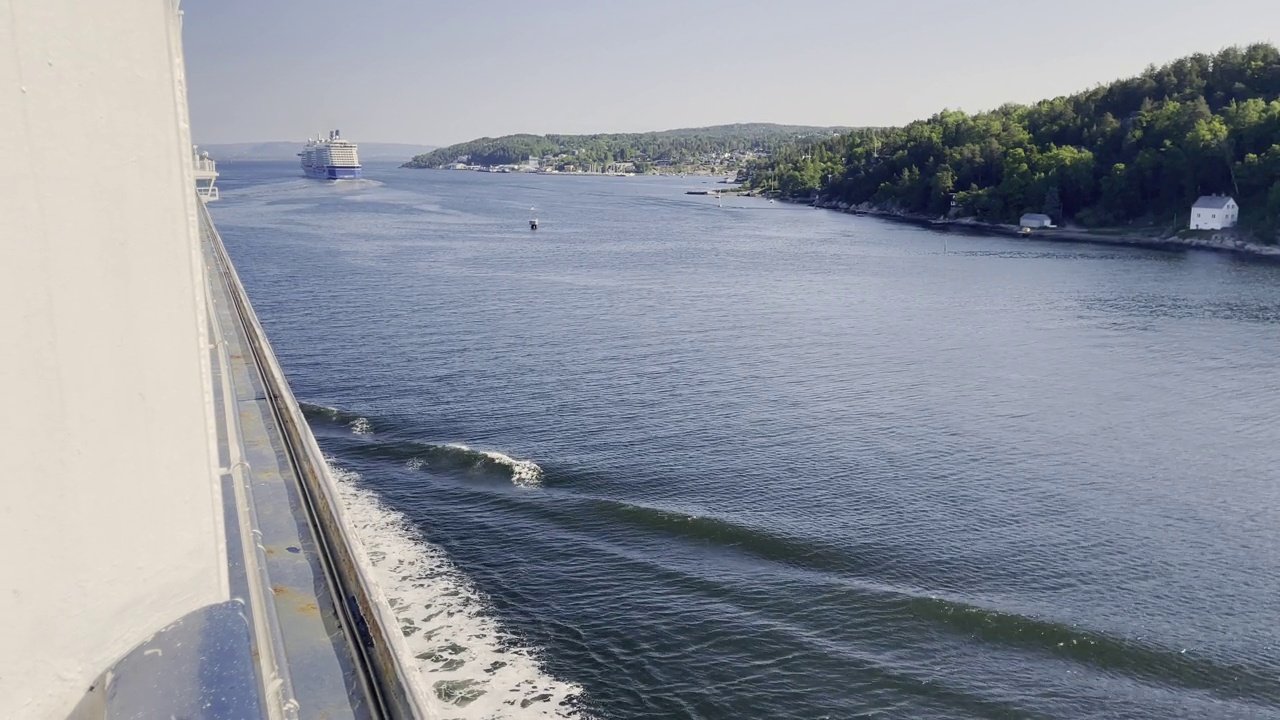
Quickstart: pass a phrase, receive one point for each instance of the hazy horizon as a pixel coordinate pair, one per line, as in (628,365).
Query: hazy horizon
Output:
(401,72)
(517,132)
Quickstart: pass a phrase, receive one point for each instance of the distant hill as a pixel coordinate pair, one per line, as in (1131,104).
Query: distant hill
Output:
(666,147)
(288,150)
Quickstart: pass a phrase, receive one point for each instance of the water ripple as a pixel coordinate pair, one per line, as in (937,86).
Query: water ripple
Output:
(774,462)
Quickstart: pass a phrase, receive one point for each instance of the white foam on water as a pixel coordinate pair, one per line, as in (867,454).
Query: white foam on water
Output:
(348,183)
(329,412)
(525,473)
(473,667)
(361,426)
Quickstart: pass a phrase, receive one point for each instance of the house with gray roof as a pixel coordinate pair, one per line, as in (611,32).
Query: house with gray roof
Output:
(1214,212)
(1035,220)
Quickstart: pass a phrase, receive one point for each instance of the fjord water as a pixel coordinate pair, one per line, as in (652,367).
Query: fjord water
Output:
(663,459)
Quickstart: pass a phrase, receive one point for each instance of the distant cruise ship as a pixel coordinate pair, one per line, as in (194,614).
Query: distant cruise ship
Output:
(330,158)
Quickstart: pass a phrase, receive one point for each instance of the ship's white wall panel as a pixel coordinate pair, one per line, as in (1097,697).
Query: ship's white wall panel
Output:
(109,519)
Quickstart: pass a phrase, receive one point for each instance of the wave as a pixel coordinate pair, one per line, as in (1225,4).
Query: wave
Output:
(358,424)
(882,578)
(331,414)
(450,458)
(871,576)
(361,426)
(1131,657)
(474,668)
(769,545)
(523,472)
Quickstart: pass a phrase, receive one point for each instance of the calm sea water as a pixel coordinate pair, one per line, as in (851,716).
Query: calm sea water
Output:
(660,459)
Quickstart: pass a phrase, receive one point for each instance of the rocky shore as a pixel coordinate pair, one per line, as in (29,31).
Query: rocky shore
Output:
(1221,241)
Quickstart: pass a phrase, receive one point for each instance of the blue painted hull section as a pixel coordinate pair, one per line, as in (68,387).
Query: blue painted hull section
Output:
(332,173)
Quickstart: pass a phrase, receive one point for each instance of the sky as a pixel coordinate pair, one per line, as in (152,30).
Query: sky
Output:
(437,72)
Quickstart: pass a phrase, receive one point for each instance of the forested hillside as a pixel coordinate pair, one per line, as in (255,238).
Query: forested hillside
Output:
(668,147)
(1140,149)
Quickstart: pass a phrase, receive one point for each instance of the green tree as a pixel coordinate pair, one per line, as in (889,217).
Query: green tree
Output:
(1140,148)
(1053,203)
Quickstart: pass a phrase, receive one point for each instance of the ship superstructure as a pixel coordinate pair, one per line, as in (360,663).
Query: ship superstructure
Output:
(178,547)
(330,158)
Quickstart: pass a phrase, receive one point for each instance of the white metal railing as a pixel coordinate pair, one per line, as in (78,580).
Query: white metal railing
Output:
(204,164)
(206,173)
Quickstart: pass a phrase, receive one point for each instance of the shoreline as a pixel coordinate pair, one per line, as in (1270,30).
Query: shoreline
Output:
(576,173)
(1224,242)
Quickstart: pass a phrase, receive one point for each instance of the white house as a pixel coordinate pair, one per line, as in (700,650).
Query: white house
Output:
(1036,220)
(1214,212)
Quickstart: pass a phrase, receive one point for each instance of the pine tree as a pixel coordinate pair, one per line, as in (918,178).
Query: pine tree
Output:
(1053,204)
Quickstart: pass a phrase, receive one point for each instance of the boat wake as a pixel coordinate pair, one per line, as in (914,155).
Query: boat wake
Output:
(473,667)
(450,458)
(357,183)
(525,473)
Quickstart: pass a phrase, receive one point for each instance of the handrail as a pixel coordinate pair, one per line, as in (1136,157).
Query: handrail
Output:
(278,695)
(400,689)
